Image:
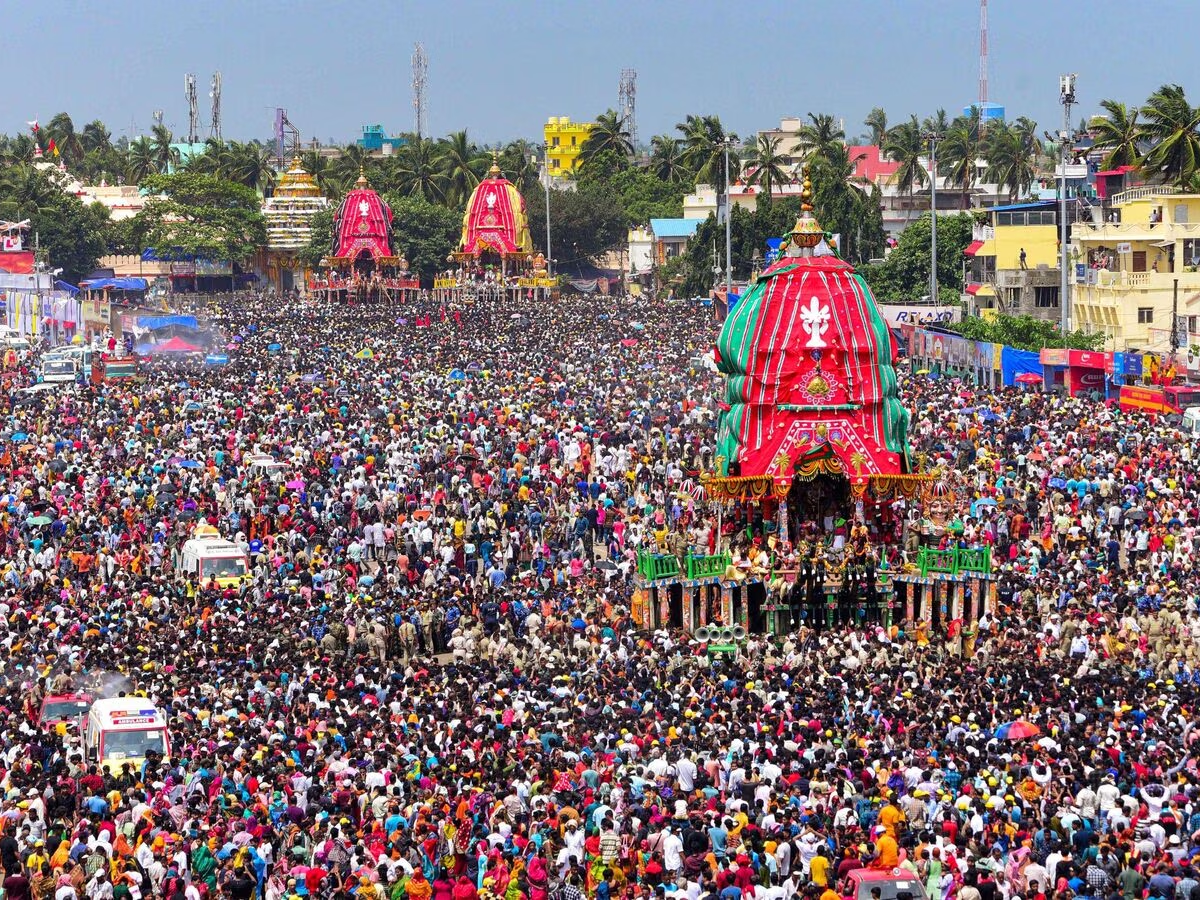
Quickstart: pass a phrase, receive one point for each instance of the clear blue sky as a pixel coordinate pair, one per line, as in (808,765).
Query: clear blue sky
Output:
(499,68)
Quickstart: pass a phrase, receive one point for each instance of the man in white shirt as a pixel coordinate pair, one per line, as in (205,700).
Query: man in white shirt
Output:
(672,848)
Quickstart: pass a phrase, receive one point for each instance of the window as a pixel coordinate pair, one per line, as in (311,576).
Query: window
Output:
(1145,315)
(554,165)
(1191,252)
(555,144)
(1045,297)
(573,139)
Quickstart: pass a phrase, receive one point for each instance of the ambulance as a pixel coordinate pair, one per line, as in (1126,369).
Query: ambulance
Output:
(209,556)
(123,730)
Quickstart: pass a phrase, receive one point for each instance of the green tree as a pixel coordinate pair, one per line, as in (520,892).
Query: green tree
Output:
(904,276)
(96,136)
(519,162)
(418,172)
(1172,127)
(346,166)
(425,232)
(1118,134)
(72,235)
(768,163)
(704,143)
(61,130)
(906,145)
(202,216)
(584,223)
(640,195)
(847,207)
(165,156)
(936,124)
(666,159)
(140,162)
(1011,154)
(820,135)
(461,167)
(608,135)
(877,121)
(1026,333)
(958,153)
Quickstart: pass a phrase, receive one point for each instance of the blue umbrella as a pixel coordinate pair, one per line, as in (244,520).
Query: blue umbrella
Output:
(19,436)
(457,375)
(274,348)
(190,464)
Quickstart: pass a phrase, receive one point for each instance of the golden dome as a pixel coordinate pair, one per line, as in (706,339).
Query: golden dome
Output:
(296,182)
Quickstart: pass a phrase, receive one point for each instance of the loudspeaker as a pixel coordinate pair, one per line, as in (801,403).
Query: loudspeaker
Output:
(739,633)
(702,634)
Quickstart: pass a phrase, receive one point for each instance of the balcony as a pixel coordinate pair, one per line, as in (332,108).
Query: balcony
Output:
(956,561)
(1141,281)
(1140,193)
(657,566)
(1109,232)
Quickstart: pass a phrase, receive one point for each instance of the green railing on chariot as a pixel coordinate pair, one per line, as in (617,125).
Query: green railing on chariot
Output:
(653,566)
(956,561)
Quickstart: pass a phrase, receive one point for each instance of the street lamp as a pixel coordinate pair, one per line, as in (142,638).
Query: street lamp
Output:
(932,137)
(1066,96)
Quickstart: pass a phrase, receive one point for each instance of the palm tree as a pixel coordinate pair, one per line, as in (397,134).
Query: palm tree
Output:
(768,163)
(461,166)
(820,135)
(61,130)
(140,161)
(316,164)
(607,134)
(1011,155)
(959,151)
(25,191)
(936,124)
(352,160)
(251,164)
(95,137)
(876,120)
(1171,126)
(906,145)
(704,143)
(165,156)
(1118,134)
(417,171)
(666,159)
(519,162)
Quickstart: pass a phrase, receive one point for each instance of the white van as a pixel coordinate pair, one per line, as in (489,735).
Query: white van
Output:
(209,556)
(123,730)
(59,369)
(1191,421)
(266,468)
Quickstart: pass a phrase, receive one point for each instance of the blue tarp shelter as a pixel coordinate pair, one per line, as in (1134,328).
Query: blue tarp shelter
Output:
(153,322)
(1015,362)
(115,284)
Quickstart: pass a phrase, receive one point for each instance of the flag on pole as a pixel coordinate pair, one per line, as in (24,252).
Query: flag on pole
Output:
(33,126)
(52,147)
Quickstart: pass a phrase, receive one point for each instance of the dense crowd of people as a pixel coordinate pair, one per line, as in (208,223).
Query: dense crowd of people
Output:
(429,685)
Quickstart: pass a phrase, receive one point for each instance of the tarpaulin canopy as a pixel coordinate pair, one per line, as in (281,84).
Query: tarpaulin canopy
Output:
(1015,362)
(63,286)
(153,322)
(115,284)
(175,345)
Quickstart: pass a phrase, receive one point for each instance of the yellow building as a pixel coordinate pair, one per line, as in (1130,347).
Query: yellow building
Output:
(997,278)
(1140,242)
(564,140)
